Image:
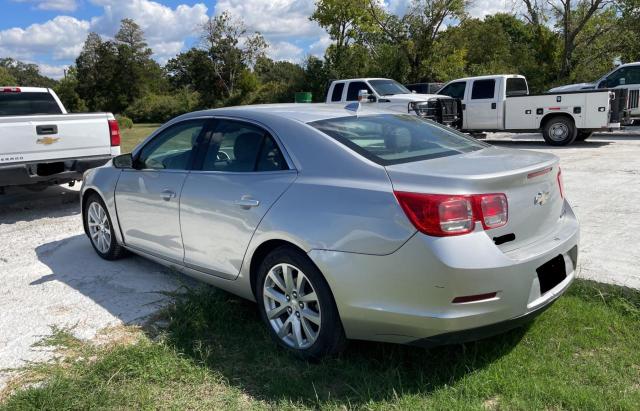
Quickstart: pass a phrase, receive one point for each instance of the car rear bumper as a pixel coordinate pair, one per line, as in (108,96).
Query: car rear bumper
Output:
(48,172)
(407,296)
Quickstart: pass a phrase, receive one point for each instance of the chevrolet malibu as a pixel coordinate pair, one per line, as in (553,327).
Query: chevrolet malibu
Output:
(343,223)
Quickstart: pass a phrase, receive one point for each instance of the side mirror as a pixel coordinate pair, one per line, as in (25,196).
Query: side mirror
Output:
(372,98)
(123,161)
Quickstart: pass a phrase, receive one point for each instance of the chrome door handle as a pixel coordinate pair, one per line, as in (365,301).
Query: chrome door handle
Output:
(167,195)
(247,203)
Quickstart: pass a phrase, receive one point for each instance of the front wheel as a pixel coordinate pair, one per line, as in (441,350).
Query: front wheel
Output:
(559,131)
(100,229)
(297,306)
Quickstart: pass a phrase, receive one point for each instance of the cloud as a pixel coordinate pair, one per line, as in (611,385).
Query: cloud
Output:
(58,5)
(317,48)
(482,8)
(283,50)
(61,38)
(55,72)
(165,28)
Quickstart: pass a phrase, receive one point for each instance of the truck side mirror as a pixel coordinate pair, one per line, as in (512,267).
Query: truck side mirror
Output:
(123,161)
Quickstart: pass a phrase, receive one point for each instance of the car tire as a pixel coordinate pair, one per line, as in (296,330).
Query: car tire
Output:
(300,313)
(100,229)
(583,135)
(559,131)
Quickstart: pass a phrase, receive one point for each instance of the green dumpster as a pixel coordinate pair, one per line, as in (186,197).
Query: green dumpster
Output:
(303,97)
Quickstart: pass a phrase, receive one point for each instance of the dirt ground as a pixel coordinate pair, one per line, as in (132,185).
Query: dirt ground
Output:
(52,277)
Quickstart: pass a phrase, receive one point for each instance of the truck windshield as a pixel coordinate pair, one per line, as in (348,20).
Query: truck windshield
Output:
(25,104)
(388,87)
(397,138)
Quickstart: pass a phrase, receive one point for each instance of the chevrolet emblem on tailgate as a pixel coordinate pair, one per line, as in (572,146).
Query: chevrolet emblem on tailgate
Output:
(47,140)
(541,198)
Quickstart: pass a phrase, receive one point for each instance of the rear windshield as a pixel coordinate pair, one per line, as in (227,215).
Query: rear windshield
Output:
(24,104)
(397,138)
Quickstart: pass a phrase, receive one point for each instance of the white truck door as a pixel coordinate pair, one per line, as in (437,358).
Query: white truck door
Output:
(481,105)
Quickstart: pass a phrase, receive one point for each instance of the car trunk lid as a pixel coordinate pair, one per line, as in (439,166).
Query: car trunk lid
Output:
(528,179)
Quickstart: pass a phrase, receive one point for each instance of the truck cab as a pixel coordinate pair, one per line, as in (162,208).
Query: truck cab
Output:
(390,95)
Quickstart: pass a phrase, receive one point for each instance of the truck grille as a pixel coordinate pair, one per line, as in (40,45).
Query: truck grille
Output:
(441,110)
(634,98)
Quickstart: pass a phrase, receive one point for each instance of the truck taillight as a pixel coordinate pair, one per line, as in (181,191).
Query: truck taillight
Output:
(114,132)
(560,183)
(11,90)
(443,215)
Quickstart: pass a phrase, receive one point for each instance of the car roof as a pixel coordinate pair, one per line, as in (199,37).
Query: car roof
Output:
(488,77)
(302,112)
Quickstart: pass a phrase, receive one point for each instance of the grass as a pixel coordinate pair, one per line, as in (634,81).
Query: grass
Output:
(213,353)
(131,137)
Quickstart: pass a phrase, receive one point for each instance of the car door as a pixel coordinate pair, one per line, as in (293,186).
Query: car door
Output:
(241,175)
(147,196)
(481,105)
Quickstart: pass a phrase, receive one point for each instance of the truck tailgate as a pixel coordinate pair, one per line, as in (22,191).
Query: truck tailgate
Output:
(53,137)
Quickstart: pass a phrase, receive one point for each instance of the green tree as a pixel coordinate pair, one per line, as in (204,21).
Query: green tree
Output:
(66,89)
(25,74)
(6,79)
(194,69)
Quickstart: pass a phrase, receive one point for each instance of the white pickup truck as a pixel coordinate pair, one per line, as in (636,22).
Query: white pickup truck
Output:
(41,145)
(503,103)
(391,95)
(625,76)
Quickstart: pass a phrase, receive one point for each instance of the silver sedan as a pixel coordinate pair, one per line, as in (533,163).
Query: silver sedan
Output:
(343,223)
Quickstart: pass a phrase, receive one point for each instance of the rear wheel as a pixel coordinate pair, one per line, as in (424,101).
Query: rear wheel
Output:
(583,135)
(559,131)
(297,306)
(100,229)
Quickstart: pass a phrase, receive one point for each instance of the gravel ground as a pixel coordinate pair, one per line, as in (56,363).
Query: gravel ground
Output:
(52,277)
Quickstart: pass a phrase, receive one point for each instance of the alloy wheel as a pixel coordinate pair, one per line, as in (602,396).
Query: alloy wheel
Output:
(99,227)
(292,306)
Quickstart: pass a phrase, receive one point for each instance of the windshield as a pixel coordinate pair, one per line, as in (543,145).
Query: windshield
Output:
(397,138)
(388,87)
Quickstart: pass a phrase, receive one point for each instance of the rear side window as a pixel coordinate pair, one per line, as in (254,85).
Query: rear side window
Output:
(516,86)
(336,95)
(483,89)
(24,104)
(455,90)
(397,138)
(239,147)
(354,89)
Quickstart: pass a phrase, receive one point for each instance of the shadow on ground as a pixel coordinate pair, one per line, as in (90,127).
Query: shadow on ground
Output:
(225,334)
(22,204)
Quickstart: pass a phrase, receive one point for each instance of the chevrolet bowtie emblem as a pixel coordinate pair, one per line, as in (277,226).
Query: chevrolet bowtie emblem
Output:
(47,140)
(541,198)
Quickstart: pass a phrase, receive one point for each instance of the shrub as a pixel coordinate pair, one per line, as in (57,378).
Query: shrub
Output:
(158,108)
(124,121)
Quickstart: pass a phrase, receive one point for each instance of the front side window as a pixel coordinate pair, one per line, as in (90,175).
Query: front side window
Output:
(483,89)
(388,87)
(173,148)
(354,89)
(235,146)
(454,90)
(25,104)
(397,138)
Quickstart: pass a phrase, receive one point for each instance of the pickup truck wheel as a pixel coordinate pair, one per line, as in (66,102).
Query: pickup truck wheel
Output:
(100,229)
(583,135)
(559,131)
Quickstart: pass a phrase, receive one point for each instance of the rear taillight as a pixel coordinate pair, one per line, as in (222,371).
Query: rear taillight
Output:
(11,90)
(445,215)
(114,132)
(560,183)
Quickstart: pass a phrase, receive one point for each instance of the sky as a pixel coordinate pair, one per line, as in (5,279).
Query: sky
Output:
(50,33)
